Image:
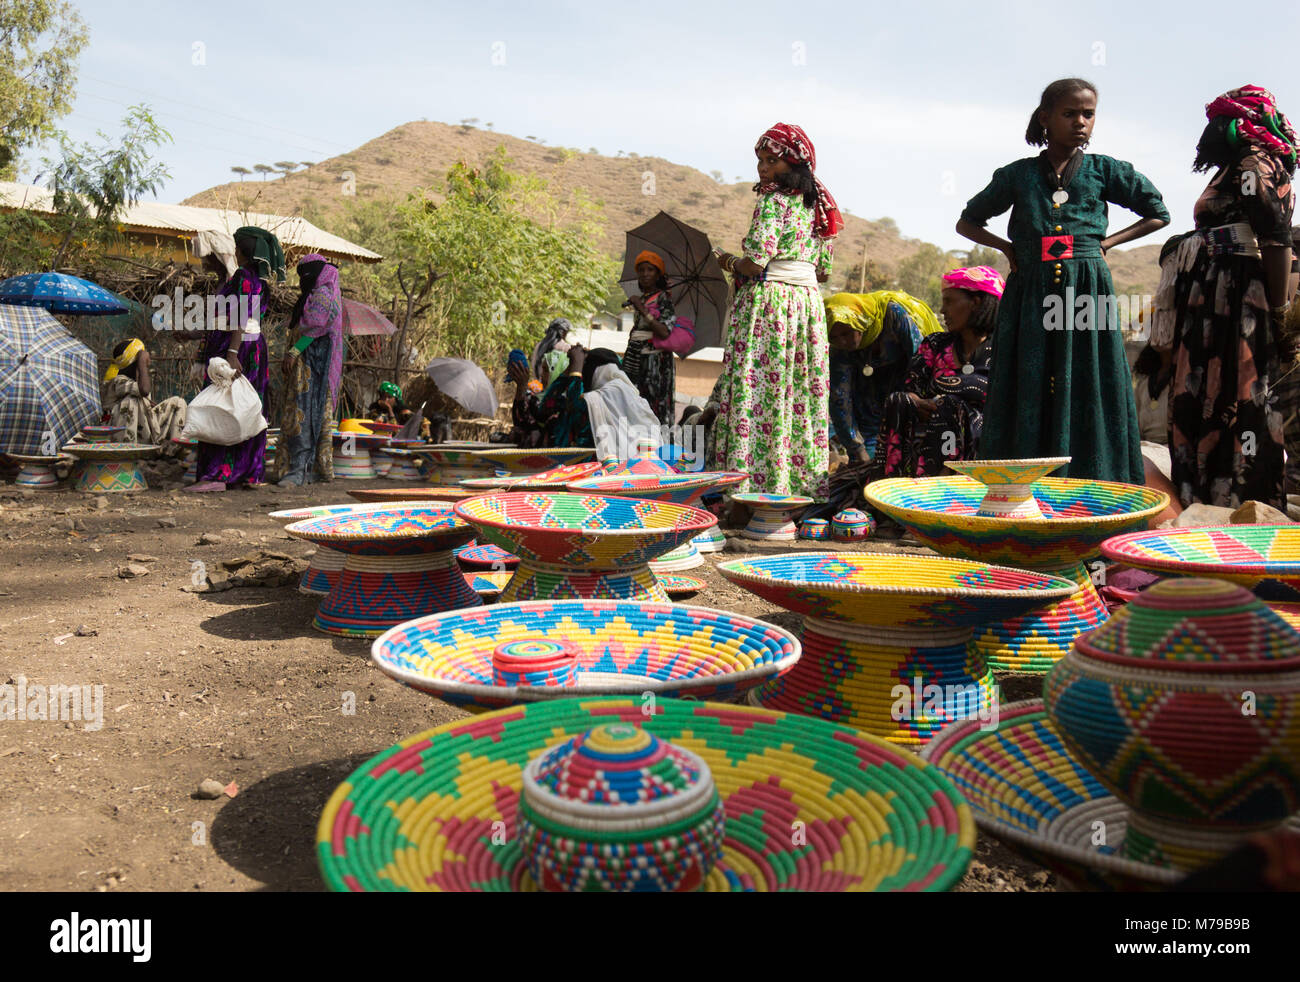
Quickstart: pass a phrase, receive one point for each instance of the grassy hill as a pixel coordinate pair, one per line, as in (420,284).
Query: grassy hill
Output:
(419,155)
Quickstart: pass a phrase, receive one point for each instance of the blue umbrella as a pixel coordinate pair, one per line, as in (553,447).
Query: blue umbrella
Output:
(60,293)
(49,384)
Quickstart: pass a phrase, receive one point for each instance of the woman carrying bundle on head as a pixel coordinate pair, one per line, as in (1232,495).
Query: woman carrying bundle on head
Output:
(1231,344)
(1059,385)
(313,370)
(938,414)
(244,348)
(651,369)
(770,402)
(127,398)
(873,338)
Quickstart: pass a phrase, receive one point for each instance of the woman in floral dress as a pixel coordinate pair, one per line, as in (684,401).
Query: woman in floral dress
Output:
(770,401)
(1230,344)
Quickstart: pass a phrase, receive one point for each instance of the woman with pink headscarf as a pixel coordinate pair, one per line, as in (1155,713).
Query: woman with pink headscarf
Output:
(939,413)
(771,399)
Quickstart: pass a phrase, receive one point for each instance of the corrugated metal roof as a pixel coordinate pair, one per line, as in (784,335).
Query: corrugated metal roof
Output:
(151,216)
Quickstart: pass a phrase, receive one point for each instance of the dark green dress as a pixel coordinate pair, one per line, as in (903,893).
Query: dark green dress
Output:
(1059,384)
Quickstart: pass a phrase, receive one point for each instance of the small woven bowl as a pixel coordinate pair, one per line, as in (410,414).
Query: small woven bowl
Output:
(535,662)
(816,529)
(853,524)
(619,810)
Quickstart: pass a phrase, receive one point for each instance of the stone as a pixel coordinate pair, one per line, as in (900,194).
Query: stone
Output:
(166,522)
(131,571)
(137,557)
(83,631)
(1199,514)
(101,503)
(210,790)
(1258,513)
(210,539)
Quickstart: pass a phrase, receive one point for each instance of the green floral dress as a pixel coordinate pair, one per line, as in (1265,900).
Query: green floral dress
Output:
(772,396)
(1060,384)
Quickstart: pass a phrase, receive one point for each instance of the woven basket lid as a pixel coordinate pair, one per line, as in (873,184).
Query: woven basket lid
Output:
(1196,625)
(851,516)
(616,774)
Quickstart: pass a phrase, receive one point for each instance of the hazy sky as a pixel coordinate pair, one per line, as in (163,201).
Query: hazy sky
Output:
(911,105)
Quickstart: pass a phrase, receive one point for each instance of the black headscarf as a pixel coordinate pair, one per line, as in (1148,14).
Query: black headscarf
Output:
(556,332)
(308,273)
(596,358)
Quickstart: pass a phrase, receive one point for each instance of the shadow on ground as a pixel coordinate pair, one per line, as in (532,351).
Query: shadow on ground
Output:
(268,831)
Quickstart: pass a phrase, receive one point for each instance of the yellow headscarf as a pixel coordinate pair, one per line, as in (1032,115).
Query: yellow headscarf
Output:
(125,359)
(865,312)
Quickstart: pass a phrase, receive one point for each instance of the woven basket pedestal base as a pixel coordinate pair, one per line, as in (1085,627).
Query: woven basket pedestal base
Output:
(714,540)
(538,581)
(322,571)
(37,476)
(903,685)
(375,592)
(773,524)
(1035,642)
(354,467)
(110,476)
(682,558)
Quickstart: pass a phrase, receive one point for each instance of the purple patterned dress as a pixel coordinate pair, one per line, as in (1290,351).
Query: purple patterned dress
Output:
(243,463)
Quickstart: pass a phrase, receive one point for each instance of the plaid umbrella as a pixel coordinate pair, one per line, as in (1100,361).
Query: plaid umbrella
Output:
(60,294)
(360,318)
(49,384)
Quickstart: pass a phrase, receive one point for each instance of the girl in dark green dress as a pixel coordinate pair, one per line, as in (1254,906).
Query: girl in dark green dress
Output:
(1059,384)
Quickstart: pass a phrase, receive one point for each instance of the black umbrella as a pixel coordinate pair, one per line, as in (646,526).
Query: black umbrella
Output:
(695,281)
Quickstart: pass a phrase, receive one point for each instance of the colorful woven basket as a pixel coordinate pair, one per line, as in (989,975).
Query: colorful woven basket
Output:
(815,529)
(103,434)
(389,495)
(622,646)
(572,546)
(399,565)
(486,556)
(323,568)
(402,465)
(618,810)
(680,587)
(1078,517)
(853,524)
(110,467)
(530,461)
(1265,558)
(773,518)
(1186,706)
(808,805)
(678,489)
(488,585)
(37,472)
(684,557)
(710,540)
(552,479)
(885,640)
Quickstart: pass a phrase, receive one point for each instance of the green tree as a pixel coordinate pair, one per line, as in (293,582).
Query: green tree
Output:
(984,256)
(93,185)
(920,274)
(40,41)
(512,255)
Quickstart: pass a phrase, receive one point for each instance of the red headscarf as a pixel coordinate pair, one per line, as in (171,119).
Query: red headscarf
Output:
(1251,105)
(791,143)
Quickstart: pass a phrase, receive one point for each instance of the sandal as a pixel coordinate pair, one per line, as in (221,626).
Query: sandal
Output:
(205,486)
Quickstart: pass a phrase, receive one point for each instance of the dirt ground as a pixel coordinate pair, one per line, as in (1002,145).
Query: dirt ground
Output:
(234,687)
